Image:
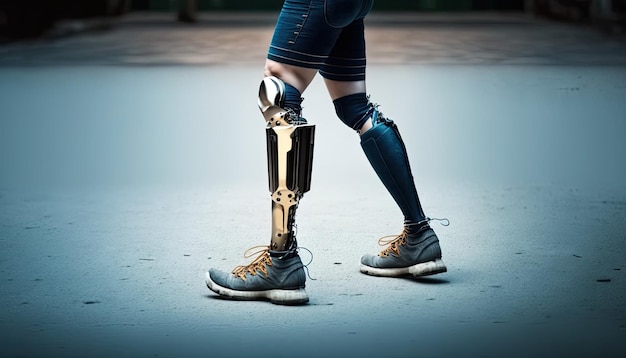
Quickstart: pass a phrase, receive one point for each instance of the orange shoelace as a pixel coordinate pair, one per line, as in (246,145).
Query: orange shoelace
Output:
(394,241)
(260,263)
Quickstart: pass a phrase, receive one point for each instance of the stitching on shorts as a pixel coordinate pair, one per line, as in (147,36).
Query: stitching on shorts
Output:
(340,66)
(351,59)
(296,60)
(341,74)
(298,52)
(326,16)
(300,25)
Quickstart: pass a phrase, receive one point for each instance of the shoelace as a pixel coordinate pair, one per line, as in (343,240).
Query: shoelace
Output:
(262,261)
(306,267)
(259,263)
(394,241)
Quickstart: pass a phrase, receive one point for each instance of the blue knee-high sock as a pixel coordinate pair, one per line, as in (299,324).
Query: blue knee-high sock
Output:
(386,152)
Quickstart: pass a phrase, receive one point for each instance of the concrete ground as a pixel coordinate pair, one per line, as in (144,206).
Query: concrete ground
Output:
(132,159)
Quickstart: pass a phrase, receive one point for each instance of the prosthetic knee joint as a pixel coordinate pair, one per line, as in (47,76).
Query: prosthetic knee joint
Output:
(289,157)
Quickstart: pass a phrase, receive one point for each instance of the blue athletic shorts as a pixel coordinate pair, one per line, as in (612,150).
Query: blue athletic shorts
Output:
(326,35)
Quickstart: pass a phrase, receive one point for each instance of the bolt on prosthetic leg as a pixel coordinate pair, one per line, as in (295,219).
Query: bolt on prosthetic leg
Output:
(277,273)
(289,157)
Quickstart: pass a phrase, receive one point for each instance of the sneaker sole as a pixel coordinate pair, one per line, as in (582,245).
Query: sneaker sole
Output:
(276,296)
(418,270)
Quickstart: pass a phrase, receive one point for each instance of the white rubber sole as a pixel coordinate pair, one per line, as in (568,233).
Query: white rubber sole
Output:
(276,296)
(422,269)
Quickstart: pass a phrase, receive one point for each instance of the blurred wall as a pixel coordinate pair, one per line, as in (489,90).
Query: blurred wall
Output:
(29,18)
(397,5)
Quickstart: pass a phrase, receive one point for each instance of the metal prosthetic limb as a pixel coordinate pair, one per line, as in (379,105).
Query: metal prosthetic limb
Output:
(289,156)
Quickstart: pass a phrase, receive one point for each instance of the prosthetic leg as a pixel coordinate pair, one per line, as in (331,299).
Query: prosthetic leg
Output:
(289,156)
(277,273)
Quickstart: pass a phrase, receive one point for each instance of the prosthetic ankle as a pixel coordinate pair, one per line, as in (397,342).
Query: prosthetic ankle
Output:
(289,157)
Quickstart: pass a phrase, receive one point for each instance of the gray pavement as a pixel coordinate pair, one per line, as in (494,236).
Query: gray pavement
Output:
(133,159)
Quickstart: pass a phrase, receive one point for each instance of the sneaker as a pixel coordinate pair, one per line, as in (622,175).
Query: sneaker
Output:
(417,255)
(277,277)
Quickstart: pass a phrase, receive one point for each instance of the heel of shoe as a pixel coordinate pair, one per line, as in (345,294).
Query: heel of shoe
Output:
(288,297)
(428,268)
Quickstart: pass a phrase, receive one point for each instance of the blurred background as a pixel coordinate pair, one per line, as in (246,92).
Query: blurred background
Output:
(105,92)
(31,18)
(132,159)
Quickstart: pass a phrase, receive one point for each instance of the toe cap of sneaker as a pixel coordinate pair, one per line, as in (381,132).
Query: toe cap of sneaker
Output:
(369,260)
(218,276)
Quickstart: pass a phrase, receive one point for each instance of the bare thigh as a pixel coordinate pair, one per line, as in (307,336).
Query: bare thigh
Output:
(299,77)
(338,89)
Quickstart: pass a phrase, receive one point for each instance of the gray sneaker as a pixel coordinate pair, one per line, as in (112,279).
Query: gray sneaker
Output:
(418,255)
(279,279)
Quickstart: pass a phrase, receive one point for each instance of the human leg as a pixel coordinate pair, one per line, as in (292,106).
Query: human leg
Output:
(301,43)
(416,251)
(344,75)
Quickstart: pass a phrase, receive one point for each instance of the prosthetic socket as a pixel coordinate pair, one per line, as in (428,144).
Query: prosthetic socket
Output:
(289,157)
